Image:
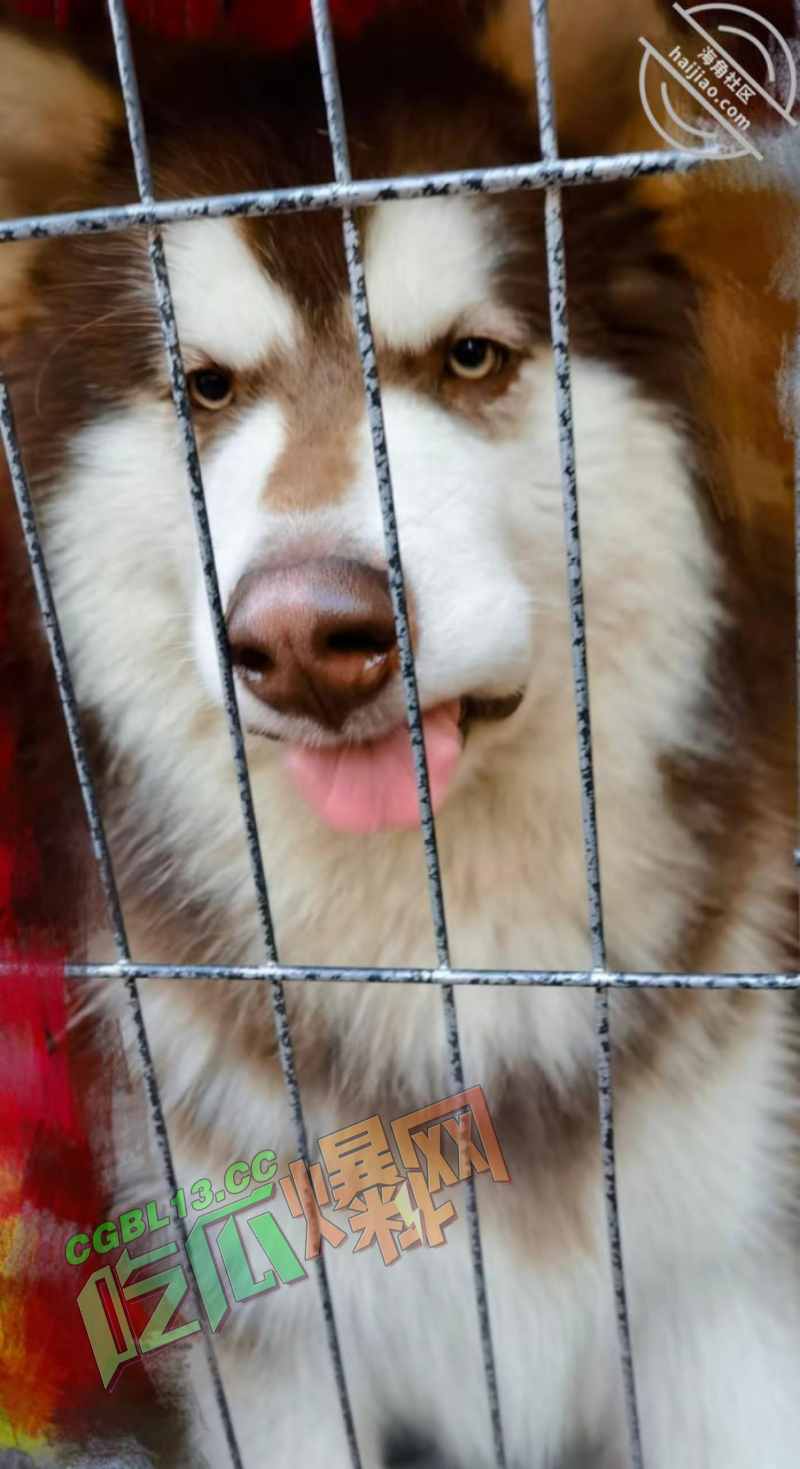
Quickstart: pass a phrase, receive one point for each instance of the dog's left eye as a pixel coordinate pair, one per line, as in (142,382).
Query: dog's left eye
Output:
(475,358)
(211,387)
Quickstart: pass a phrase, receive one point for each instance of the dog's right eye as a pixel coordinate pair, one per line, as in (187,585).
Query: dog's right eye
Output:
(211,387)
(475,358)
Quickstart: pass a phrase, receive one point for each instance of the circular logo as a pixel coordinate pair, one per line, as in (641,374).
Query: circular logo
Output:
(698,96)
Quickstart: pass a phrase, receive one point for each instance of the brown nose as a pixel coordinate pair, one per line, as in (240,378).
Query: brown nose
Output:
(315,639)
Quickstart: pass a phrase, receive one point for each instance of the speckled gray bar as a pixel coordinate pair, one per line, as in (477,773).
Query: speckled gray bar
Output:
(362,192)
(163,293)
(557,279)
(512,978)
(372,390)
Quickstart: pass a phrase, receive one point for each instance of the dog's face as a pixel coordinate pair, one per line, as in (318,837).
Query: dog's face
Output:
(458,303)
(302,562)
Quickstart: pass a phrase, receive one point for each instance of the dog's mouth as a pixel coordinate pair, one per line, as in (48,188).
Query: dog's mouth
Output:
(476,708)
(372,786)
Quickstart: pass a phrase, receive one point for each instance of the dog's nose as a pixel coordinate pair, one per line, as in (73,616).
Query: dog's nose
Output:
(315,639)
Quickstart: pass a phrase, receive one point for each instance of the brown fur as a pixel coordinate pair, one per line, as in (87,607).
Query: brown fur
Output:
(54,119)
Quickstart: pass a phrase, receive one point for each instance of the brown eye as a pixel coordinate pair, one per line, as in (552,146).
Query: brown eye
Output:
(211,387)
(474,358)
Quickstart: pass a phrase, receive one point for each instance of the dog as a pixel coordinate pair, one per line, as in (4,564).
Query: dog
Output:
(690,648)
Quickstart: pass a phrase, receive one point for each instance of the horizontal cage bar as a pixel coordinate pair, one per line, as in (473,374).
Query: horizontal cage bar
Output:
(540,175)
(331,974)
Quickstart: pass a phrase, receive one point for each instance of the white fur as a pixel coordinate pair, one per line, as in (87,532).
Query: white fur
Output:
(226,306)
(712,1304)
(428,262)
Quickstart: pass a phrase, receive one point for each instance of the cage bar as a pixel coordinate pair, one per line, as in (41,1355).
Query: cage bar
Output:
(372,391)
(559,331)
(598,169)
(508,978)
(163,293)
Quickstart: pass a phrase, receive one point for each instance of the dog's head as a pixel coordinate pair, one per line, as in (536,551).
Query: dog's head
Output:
(457,293)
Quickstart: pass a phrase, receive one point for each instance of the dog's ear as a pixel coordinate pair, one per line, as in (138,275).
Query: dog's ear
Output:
(734,229)
(55,118)
(595,58)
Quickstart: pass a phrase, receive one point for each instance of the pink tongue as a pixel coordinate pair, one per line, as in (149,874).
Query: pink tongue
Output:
(364,788)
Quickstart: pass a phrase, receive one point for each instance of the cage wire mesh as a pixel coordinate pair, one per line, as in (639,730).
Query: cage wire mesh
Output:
(551,173)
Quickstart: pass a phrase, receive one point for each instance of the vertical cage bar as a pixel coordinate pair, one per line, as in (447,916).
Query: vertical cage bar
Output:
(144,182)
(557,287)
(163,293)
(102,854)
(372,390)
(557,282)
(337,131)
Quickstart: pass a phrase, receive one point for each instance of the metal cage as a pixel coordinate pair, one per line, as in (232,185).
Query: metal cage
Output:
(551,174)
